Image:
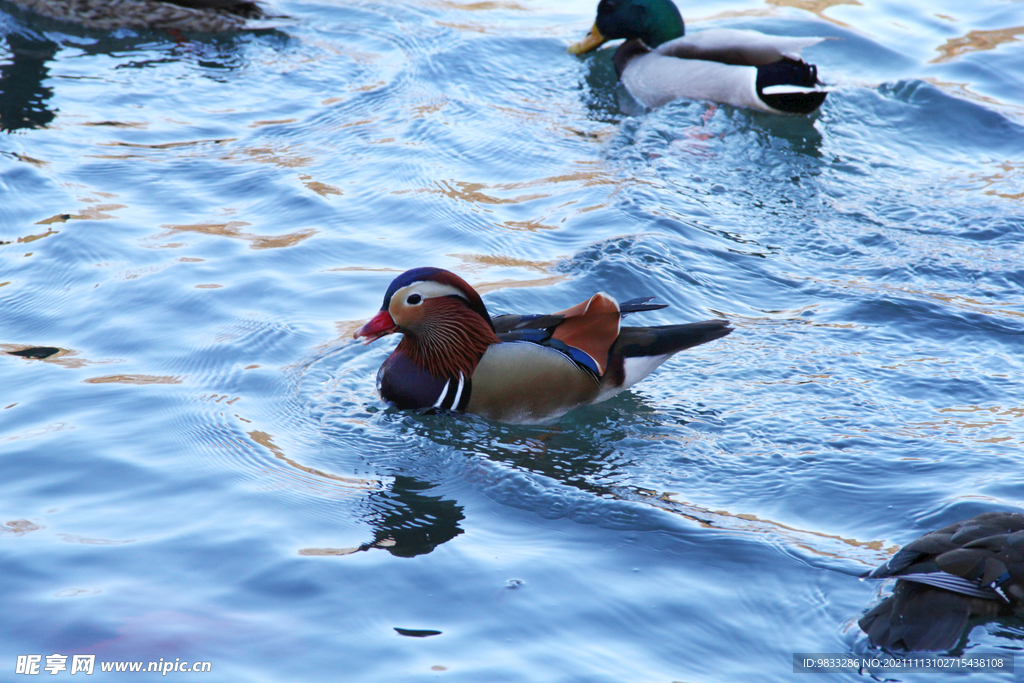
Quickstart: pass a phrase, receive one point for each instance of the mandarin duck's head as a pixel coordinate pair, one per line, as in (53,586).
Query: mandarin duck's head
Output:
(444,321)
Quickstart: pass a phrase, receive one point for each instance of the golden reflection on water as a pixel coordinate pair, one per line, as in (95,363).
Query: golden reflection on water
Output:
(483,194)
(29,160)
(92,213)
(141,125)
(995,184)
(322,189)
(351,485)
(815,7)
(477,6)
(326,552)
(470,192)
(64,357)
(135,379)
(976,41)
(433,106)
(471,28)
(33,238)
(528,226)
(869,553)
(260,124)
(485,287)
(231,229)
(478,262)
(167,145)
(283,157)
(984,417)
(964,90)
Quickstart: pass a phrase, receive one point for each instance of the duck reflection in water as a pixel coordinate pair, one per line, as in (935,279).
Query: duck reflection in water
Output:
(408,523)
(23,93)
(24,72)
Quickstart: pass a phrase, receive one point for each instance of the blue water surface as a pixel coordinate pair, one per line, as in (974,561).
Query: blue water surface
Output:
(201,469)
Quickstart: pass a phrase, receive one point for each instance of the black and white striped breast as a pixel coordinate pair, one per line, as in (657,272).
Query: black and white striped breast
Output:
(454,394)
(408,386)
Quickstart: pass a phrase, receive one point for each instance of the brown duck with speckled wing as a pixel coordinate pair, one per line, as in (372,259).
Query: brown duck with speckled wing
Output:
(514,368)
(184,15)
(973,569)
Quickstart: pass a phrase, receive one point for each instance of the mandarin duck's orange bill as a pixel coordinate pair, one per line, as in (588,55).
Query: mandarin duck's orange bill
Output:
(973,569)
(514,368)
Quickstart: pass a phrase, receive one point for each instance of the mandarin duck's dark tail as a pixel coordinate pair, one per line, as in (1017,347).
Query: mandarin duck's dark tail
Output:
(639,350)
(634,342)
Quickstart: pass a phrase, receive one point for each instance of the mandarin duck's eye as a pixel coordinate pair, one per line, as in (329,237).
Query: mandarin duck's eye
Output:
(414,299)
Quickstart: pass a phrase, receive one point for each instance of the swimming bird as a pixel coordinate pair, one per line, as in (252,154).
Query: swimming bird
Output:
(973,569)
(658,63)
(455,357)
(184,15)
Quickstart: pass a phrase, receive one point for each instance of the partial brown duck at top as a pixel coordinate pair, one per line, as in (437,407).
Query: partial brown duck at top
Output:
(964,573)
(184,15)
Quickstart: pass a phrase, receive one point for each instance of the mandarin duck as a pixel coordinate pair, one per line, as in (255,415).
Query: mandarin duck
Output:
(658,64)
(184,15)
(514,368)
(973,569)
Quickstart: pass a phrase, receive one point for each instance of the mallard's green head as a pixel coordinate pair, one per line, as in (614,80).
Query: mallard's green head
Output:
(652,21)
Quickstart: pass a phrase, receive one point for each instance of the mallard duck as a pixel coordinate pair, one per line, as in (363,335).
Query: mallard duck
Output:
(514,368)
(184,15)
(658,64)
(973,569)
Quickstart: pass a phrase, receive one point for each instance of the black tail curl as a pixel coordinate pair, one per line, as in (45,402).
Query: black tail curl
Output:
(790,72)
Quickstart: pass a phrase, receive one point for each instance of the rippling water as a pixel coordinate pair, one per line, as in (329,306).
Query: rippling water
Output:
(201,470)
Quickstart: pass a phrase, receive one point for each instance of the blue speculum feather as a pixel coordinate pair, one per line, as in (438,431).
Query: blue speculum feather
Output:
(581,358)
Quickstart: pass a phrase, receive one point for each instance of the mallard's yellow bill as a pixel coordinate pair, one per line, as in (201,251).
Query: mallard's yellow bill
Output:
(593,41)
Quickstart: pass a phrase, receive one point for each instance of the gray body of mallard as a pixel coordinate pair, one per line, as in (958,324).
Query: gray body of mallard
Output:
(717,65)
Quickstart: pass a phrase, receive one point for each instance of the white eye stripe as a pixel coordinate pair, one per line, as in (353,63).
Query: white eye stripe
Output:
(428,290)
